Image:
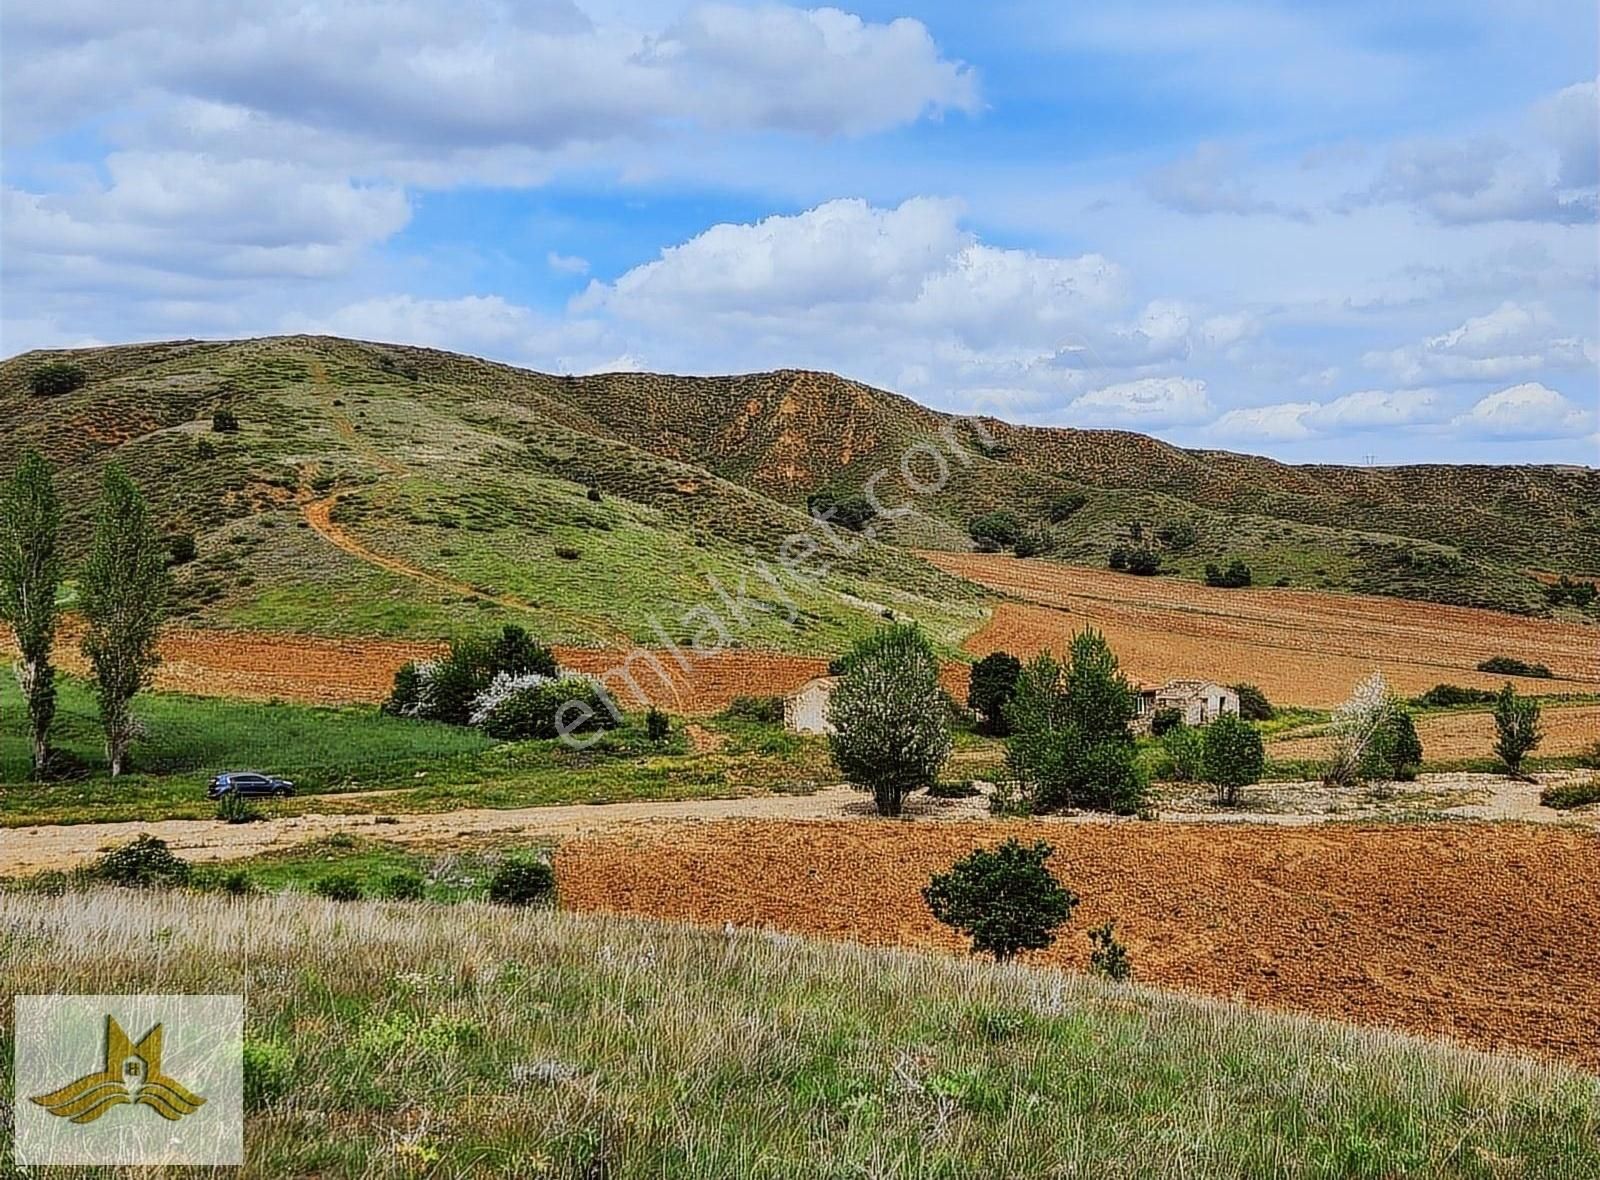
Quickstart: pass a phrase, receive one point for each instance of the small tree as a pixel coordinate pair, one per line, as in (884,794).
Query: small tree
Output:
(1233,757)
(995,530)
(993,681)
(1109,958)
(30,574)
(1144,562)
(517,652)
(1401,747)
(889,717)
(54,378)
(1253,703)
(1071,743)
(224,421)
(1005,899)
(122,592)
(656,726)
(1356,724)
(1516,723)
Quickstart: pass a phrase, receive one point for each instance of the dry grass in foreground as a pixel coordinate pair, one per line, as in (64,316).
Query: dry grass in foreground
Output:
(411,1039)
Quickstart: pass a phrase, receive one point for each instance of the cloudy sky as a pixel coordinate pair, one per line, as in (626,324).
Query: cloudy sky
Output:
(1321,231)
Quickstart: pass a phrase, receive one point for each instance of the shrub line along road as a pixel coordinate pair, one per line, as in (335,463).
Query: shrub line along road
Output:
(64,846)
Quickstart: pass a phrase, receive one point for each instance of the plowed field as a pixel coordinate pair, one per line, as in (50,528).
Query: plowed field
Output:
(260,665)
(1480,932)
(1567,731)
(1302,647)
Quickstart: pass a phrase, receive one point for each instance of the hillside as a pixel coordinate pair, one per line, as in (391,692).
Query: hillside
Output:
(393,490)
(375,491)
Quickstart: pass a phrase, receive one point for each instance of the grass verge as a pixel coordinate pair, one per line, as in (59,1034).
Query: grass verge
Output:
(469,1041)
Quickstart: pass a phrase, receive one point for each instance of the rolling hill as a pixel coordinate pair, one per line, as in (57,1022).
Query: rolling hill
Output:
(379,489)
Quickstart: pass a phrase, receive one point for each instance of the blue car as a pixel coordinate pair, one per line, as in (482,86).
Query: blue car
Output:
(241,783)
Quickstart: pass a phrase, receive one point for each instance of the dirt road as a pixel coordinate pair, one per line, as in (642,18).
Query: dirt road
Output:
(62,846)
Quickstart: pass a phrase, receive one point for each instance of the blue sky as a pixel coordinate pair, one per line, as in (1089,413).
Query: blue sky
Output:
(1324,232)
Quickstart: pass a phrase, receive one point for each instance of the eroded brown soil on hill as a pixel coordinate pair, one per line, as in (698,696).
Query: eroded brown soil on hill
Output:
(1485,933)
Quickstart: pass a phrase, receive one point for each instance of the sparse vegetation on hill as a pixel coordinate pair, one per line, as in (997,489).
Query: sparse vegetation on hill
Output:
(474,471)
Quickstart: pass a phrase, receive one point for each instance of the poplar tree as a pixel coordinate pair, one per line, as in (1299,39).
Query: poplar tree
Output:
(123,593)
(30,574)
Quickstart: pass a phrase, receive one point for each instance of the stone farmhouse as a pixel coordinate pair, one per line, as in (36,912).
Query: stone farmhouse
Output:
(1199,701)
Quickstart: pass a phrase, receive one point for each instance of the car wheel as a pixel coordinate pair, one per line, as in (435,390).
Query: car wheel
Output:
(282,792)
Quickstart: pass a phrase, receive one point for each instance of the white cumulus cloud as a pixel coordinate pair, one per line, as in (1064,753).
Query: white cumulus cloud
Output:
(1527,411)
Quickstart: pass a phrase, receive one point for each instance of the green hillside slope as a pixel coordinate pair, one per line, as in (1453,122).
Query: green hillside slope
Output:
(457,489)
(368,492)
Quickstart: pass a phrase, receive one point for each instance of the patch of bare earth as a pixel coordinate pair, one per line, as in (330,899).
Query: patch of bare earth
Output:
(1480,932)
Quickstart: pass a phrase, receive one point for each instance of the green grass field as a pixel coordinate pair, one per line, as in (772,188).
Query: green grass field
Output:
(359,760)
(411,1039)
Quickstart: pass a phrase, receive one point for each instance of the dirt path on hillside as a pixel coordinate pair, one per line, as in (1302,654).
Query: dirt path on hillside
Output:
(61,846)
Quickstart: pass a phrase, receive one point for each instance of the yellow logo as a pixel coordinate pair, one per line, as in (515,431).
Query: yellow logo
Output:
(132,1074)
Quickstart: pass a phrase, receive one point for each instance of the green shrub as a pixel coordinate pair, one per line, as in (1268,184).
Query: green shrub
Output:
(1164,721)
(447,689)
(1109,958)
(144,863)
(518,653)
(990,686)
(1444,696)
(1118,558)
(1253,703)
(233,808)
(554,708)
(1178,535)
(1568,591)
(568,553)
(1509,666)
(995,530)
(1237,575)
(1005,899)
(54,378)
(847,511)
(1232,757)
(235,883)
(656,725)
(1566,796)
(1185,745)
(522,881)
(765,710)
(224,421)
(1064,506)
(403,885)
(338,886)
(181,548)
(1399,747)
(269,1072)
(1144,562)
(1031,542)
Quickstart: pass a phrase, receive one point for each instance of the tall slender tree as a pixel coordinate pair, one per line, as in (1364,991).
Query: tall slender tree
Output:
(123,591)
(30,574)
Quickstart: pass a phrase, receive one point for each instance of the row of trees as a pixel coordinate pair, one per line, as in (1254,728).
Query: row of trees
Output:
(122,594)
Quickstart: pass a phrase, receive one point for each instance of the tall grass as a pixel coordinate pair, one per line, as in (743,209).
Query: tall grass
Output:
(410,1039)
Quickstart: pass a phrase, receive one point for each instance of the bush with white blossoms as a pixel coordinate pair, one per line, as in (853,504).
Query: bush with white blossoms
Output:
(1356,725)
(504,685)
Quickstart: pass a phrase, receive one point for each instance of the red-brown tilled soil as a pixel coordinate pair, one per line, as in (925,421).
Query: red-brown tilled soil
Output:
(1486,933)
